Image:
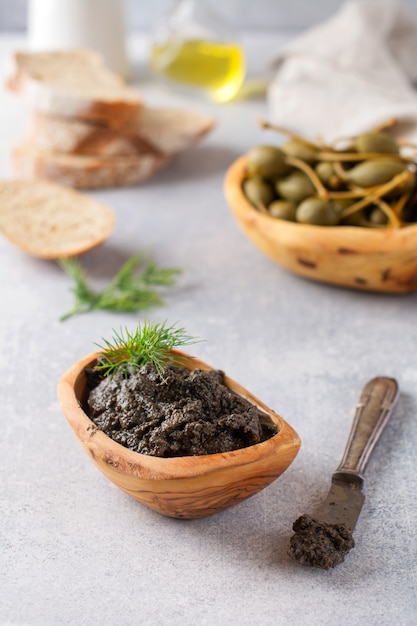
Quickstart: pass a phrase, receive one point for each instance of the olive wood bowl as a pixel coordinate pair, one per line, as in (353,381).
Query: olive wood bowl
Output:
(370,259)
(185,487)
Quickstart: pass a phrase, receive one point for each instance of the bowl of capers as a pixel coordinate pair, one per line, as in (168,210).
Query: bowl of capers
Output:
(340,215)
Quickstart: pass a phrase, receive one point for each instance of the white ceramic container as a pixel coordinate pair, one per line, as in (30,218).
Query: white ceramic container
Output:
(95,24)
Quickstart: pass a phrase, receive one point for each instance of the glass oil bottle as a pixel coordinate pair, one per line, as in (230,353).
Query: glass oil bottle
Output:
(196,46)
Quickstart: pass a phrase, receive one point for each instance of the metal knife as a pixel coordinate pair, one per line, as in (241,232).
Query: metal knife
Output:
(323,539)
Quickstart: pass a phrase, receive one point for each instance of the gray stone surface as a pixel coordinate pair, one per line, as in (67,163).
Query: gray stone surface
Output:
(75,550)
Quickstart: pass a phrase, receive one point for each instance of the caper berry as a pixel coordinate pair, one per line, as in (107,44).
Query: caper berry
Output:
(325,171)
(375,172)
(282,209)
(295,187)
(377,217)
(258,191)
(375,142)
(266,161)
(300,150)
(318,212)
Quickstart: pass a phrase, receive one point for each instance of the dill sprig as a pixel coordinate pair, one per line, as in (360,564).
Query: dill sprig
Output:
(134,288)
(150,342)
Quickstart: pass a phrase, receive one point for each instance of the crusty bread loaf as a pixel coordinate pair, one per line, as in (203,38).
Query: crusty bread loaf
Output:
(52,221)
(74,83)
(82,171)
(165,131)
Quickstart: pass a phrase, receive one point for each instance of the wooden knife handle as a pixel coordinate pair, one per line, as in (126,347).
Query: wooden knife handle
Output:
(376,405)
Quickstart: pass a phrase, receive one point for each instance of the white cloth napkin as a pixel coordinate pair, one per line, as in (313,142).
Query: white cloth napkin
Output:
(349,74)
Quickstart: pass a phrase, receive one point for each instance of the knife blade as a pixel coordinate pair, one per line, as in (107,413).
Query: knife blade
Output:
(324,538)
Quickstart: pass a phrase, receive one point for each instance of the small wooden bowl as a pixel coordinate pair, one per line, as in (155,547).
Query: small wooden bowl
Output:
(182,487)
(383,260)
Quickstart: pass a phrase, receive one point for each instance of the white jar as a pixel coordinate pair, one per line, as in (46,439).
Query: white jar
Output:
(95,24)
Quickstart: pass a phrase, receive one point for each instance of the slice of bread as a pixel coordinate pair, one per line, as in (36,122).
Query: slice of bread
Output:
(172,130)
(164,131)
(82,171)
(47,133)
(74,83)
(51,221)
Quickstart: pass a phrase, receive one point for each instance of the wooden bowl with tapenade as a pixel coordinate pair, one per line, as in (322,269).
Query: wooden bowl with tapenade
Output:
(342,216)
(172,465)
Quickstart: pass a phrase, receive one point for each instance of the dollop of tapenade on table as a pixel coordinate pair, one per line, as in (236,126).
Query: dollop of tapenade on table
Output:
(179,412)
(319,544)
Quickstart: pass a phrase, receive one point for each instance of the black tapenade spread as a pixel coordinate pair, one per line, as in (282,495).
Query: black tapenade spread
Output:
(318,544)
(181,413)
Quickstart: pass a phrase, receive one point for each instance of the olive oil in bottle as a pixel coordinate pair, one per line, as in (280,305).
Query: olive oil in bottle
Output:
(198,50)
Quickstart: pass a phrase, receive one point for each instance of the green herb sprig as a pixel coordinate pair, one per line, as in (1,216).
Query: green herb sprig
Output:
(131,290)
(150,342)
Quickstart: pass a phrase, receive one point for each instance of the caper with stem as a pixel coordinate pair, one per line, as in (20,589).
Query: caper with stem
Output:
(300,150)
(258,191)
(375,172)
(375,142)
(318,212)
(377,217)
(266,161)
(326,172)
(295,187)
(282,209)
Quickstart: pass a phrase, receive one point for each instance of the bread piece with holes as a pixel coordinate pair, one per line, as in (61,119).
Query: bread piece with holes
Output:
(83,171)
(74,83)
(51,221)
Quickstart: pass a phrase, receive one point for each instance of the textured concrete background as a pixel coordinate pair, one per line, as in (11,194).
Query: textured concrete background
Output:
(75,550)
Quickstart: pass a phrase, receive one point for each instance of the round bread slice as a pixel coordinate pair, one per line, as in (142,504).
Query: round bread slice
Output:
(51,221)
